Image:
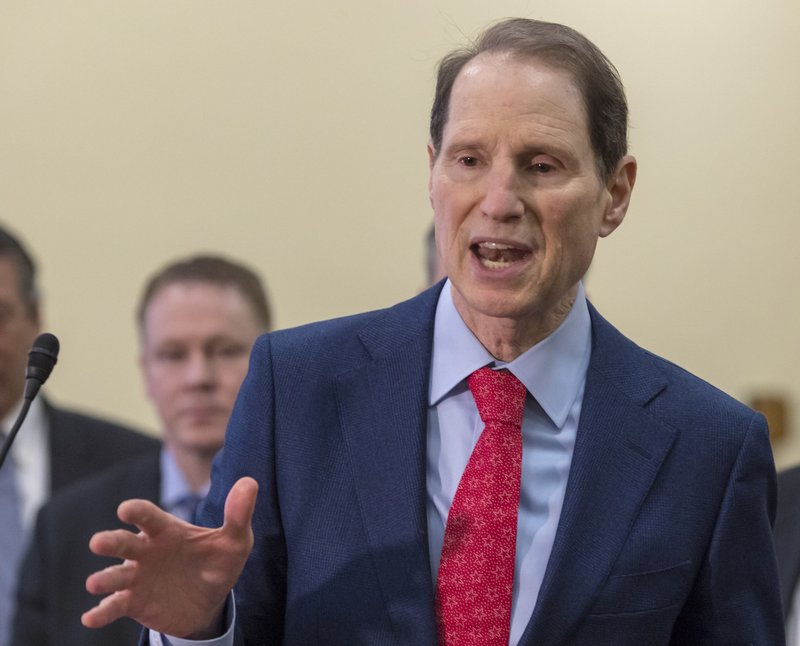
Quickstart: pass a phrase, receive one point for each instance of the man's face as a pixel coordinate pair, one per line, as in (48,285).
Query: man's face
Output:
(196,342)
(19,328)
(517,197)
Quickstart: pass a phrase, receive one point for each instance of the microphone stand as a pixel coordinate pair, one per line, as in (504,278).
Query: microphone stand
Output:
(26,404)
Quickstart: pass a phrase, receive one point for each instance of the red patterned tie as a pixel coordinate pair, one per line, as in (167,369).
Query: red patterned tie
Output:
(476,574)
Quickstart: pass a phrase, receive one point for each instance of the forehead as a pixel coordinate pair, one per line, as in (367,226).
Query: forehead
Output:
(500,88)
(191,310)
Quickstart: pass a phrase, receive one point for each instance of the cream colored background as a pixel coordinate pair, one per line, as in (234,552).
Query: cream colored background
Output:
(293,135)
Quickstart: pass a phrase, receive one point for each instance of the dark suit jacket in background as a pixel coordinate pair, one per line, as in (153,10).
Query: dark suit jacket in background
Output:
(664,537)
(52,595)
(787,533)
(81,446)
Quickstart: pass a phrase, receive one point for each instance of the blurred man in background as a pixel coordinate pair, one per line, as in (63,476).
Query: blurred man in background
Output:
(198,320)
(55,447)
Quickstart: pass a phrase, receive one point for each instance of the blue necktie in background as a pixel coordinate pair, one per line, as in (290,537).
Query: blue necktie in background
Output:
(186,507)
(10,544)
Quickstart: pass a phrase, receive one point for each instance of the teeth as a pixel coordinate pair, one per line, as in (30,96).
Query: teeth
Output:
(494,245)
(496,255)
(494,264)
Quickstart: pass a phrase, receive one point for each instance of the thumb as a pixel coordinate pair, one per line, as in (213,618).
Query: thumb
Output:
(239,507)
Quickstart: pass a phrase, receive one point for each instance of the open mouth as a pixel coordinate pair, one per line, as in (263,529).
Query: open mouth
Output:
(497,255)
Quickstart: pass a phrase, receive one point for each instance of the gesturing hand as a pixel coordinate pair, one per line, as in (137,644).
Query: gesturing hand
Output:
(175,576)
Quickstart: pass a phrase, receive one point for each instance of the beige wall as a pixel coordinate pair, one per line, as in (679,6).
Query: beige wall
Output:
(293,135)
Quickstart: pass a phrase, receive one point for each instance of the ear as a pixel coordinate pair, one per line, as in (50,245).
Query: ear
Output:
(431,155)
(619,187)
(431,162)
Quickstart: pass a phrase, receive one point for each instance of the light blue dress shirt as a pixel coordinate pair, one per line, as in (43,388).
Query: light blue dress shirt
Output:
(554,374)
(177,496)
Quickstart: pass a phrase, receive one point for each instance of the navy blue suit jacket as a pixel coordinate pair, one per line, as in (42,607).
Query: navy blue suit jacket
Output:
(664,536)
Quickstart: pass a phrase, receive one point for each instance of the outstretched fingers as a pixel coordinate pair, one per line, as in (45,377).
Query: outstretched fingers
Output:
(147,516)
(116,543)
(123,544)
(112,579)
(118,580)
(109,609)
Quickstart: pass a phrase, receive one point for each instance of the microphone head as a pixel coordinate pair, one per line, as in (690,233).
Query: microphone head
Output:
(42,357)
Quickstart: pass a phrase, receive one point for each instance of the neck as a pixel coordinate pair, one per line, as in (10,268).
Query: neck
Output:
(194,465)
(508,338)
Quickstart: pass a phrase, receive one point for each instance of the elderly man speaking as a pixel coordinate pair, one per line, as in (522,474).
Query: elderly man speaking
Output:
(490,462)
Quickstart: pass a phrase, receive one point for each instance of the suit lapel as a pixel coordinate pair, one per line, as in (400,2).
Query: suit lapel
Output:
(383,416)
(619,450)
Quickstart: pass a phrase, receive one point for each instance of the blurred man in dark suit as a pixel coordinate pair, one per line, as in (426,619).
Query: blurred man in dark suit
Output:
(198,319)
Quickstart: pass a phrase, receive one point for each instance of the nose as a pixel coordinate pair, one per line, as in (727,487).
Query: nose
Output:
(501,199)
(200,371)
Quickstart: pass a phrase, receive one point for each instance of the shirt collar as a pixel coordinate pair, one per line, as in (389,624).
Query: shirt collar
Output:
(553,370)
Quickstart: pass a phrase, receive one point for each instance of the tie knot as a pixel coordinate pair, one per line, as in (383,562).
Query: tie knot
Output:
(499,395)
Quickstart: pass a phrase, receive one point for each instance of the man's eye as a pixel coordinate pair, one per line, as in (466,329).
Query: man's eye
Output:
(541,167)
(170,355)
(230,350)
(468,161)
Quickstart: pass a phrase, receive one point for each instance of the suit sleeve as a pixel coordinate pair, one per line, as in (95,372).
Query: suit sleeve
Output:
(736,599)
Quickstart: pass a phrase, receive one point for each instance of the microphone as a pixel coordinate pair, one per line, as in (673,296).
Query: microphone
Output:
(41,359)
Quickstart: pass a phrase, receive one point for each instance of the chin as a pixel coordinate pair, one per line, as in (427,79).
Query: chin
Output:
(510,303)
(203,437)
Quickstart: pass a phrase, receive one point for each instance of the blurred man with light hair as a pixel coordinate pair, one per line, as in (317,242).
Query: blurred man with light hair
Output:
(198,319)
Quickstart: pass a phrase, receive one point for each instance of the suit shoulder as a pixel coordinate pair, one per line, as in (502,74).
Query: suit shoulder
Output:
(698,397)
(65,420)
(370,331)
(82,445)
(138,477)
(660,384)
